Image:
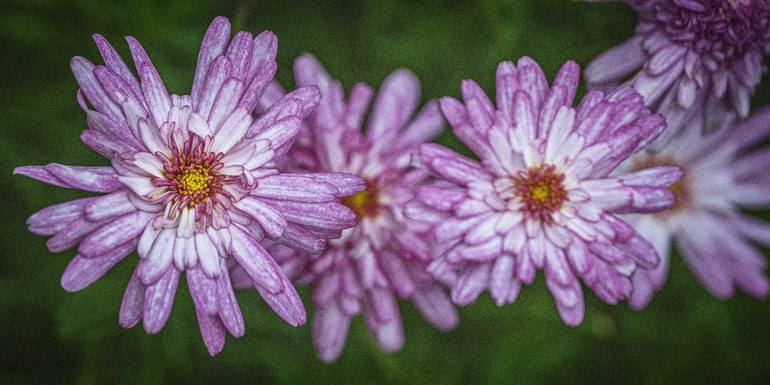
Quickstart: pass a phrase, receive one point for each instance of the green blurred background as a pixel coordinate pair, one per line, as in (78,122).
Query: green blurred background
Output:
(50,336)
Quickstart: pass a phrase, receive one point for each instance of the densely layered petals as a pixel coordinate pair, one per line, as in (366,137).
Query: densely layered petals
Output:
(725,171)
(193,185)
(383,258)
(687,57)
(543,195)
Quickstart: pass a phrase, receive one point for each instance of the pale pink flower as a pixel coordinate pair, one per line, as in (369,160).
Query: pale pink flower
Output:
(542,197)
(725,171)
(192,184)
(385,255)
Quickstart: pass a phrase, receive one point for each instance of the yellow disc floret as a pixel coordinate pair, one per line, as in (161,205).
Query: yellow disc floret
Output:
(364,203)
(196,178)
(540,192)
(195,183)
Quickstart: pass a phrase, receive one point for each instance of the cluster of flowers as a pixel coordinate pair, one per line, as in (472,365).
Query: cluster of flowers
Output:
(240,184)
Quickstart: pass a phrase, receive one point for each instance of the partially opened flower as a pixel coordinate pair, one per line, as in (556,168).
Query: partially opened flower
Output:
(192,186)
(691,54)
(384,257)
(542,197)
(725,171)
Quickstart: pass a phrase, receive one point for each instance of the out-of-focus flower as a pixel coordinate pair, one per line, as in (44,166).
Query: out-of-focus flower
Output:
(725,171)
(542,196)
(192,186)
(690,55)
(384,257)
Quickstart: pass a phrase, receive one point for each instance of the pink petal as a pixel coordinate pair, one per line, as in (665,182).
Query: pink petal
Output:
(214,43)
(159,300)
(115,233)
(82,272)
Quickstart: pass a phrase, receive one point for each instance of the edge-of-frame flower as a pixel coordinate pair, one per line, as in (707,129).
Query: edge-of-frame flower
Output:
(690,56)
(725,171)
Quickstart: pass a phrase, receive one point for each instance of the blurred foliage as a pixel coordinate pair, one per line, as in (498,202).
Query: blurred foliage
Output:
(49,336)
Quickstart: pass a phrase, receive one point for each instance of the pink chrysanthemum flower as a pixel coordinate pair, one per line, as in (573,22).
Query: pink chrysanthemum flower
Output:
(542,196)
(690,52)
(384,257)
(192,186)
(725,171)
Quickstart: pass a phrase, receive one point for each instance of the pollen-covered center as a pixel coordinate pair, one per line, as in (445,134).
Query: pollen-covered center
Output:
(541,191)
(193,177)
(365,203)
(194,182)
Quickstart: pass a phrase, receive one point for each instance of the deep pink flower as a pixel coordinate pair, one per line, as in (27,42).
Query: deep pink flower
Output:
(384,257)
(725,171)
(690,55)
(192,186)
(541,197)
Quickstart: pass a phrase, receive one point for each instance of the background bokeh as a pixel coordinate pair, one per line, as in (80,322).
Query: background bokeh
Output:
(50,336)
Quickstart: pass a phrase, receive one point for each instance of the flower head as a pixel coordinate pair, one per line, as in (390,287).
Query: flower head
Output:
(725,171)
(192,186)
(385,255)
(542,196)
(690,52)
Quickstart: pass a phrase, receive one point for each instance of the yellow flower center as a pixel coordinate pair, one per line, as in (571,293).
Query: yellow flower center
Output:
(195,182)
(364,203)
(195,178)
(681,193)
(540,192)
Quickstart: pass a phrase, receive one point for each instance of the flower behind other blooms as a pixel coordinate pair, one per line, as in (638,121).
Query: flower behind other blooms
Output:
(691,56)
(725,171)
(385,255)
